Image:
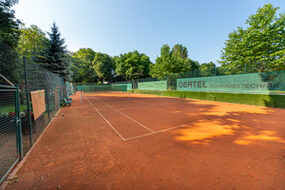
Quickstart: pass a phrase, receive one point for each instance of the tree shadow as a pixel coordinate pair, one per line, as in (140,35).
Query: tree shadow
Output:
(274,82)
(240,124)
(203,122)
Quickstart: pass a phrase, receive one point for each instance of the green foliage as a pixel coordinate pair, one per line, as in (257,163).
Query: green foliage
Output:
(9,25)
(82,66)
(277,101)
(114,59)
(133,65)
(9,35)
(172,62)
(207,69)
(180,51)
(53,56)
(103,66)
(31,40)
(10,64)
(85,54)
(261,46)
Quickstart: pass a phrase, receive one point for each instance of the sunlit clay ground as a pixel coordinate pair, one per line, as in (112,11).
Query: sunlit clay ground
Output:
(137,141)
(206,129)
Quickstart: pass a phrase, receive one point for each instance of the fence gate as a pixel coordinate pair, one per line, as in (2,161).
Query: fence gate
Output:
(10,130)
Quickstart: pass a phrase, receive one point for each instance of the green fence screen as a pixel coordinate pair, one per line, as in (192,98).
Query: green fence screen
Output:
(156,85)
(257,83)
(101,88)
(128,86)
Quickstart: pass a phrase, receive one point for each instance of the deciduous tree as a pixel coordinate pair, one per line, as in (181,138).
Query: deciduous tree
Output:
(260,47)
(103,66)
(32,40)
(133,65)
(207,69)
(171,62)
(82,66)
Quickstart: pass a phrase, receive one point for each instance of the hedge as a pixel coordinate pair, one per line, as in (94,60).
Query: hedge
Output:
(275,101)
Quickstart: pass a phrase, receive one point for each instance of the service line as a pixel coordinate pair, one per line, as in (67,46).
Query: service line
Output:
(159,131)
(131,138)
(142,125)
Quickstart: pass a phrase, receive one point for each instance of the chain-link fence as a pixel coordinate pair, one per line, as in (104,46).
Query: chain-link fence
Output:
(10,142)
(21,123)
(38,78)
(9,129)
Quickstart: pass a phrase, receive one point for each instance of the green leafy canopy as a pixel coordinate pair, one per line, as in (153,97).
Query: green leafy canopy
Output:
(260,47)
(133,65)
(172,62)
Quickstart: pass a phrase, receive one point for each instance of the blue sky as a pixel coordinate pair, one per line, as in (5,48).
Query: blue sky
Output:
(119,26)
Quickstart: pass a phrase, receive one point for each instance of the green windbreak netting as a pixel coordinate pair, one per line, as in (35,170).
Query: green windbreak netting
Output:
(69,88)
(101,88)
(128,86)
(156,85)
(257,83)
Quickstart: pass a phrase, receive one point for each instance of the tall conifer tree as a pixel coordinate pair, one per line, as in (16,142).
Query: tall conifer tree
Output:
(53,57)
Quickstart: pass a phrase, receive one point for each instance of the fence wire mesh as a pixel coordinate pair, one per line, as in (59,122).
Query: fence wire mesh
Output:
(8,130)
(30,77)
(38,78)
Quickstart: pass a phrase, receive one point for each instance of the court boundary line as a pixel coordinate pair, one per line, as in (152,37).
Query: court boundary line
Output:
(156,132)
(130,138)
(142,125)
(106,120)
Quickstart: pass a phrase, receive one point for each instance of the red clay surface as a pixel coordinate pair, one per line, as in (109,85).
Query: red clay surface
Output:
(112,141)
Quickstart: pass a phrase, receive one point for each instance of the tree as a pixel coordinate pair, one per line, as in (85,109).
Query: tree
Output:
(133,65)
(31,40)
(53,56)
(11,66)
(172,62)
(82,66)
(207,69)
(103,66)
(9,25)
(180,51)
(258,48)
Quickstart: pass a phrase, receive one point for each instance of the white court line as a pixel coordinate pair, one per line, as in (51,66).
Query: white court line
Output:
(123,139)
(131,138)
(140,136)
(126,116)
(148,134)
(169,129)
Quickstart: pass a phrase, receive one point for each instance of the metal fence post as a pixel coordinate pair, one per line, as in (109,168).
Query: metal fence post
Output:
(18,124)
(47,98)
(28,102)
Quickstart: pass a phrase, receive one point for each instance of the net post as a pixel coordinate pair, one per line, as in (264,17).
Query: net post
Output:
(81,96)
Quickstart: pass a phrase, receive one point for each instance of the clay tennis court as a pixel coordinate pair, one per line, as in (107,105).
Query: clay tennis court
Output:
(122,141)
